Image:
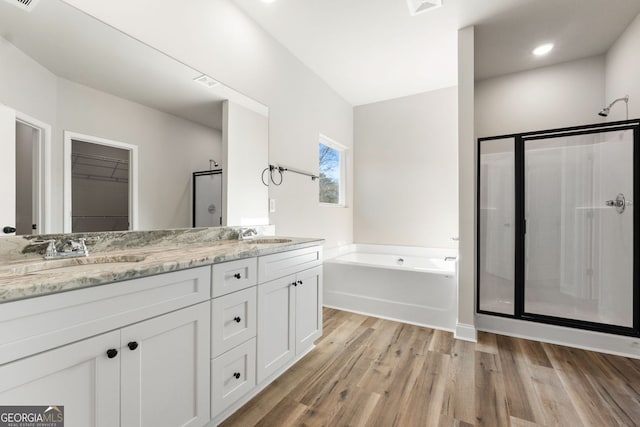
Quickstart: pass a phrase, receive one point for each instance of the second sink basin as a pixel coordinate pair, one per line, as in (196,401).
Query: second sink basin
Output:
(73,263)
(270,240)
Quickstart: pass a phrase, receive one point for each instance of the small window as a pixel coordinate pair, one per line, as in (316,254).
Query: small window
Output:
(332,172)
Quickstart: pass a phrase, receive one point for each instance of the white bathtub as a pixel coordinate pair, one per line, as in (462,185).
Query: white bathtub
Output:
(413,285)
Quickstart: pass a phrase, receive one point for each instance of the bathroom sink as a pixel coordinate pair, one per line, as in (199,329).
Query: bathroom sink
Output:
(74,264)
(270,241)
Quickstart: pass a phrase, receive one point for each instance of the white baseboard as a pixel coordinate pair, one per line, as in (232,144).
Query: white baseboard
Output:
(552,334)
(466,332)
(393,319)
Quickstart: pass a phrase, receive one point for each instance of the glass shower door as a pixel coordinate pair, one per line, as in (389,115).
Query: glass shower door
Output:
(578,244)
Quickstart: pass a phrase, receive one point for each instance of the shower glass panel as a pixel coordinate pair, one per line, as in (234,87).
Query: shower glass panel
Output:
(207,198)
(578,243)
(496,226)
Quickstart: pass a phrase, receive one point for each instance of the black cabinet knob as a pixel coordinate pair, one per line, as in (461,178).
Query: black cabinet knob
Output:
(111,353)
(238,319)
(132,345)
(236,375)
(299,282)
(8,230)
(238,276)
(295,284)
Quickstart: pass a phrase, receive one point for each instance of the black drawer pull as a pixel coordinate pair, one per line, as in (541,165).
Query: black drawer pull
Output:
(111,353)
(238,319)
(295,284)
(299,282)
(236,375)
(238,276)
(132,345)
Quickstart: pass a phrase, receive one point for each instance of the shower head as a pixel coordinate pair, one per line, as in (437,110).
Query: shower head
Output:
(606,110)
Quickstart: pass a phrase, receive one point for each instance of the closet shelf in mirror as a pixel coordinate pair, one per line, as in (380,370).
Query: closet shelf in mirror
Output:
(98,216)
(100,168)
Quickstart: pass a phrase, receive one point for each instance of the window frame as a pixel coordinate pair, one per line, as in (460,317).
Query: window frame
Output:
(342,186)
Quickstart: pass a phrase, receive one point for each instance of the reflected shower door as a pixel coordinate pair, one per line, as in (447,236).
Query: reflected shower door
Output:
(578,242)
(207,198)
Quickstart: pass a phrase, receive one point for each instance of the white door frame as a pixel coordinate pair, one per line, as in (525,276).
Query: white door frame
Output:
(43,169)
(133,175)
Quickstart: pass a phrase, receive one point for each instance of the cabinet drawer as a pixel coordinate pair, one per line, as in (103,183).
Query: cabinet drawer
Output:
(233,276)
(233,375)
(37,324)
(273,266)
(233,320)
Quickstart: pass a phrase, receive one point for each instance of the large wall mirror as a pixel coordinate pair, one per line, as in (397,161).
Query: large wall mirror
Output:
(101,132)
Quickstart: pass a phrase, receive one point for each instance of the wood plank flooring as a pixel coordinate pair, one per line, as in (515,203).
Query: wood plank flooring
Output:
(373,372)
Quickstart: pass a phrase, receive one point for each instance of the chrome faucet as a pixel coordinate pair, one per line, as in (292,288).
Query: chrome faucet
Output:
(247,233)
(76,249)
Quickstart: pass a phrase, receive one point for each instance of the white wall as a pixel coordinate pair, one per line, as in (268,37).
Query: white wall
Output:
(245,149)
(171,148)
(406,177)
(218,39)
(25,85)
(560,95)
(623,71)
(467,186)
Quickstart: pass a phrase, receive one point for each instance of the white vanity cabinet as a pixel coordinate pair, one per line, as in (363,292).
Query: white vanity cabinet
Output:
(259,331)
(233,332)
(146,362)
(289,307)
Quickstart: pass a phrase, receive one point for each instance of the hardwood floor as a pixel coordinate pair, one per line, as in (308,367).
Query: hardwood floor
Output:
(373,372)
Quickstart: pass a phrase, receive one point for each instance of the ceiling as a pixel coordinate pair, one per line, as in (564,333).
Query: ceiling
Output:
(372,50)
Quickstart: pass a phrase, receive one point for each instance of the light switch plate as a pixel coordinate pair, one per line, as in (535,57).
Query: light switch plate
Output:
(272,205)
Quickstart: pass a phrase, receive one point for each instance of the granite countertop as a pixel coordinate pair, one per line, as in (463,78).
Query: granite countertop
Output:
(34,277)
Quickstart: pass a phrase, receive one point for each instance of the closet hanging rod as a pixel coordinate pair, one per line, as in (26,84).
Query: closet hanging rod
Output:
(281,169)
(101,158)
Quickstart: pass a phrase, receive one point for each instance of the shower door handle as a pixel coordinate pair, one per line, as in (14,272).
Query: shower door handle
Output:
(619,203)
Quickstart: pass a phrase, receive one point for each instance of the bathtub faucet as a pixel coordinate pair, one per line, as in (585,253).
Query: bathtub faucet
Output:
(450,258)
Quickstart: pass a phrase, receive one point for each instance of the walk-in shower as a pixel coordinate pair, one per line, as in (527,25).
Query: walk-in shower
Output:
(556,224)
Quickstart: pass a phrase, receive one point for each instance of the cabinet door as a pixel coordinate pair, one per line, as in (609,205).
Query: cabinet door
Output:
(276,333)
(308,308)
(165,370)
(80,377)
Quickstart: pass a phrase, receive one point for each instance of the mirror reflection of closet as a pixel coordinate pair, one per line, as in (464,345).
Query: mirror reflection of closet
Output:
(101,185)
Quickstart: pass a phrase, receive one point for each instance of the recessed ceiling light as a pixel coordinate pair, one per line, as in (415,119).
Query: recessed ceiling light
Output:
(206,81)
(543,49)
